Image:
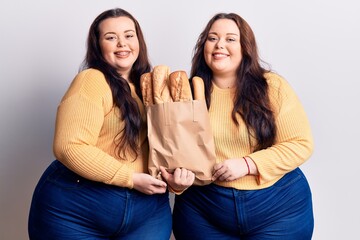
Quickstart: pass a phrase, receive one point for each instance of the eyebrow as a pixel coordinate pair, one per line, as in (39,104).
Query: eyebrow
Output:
(226,34)
(126,31)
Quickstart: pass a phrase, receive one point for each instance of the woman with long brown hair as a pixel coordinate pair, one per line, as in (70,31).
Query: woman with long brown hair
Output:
(99,186)
(262,136)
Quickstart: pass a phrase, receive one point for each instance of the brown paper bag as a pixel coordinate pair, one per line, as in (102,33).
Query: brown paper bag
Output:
(180,136)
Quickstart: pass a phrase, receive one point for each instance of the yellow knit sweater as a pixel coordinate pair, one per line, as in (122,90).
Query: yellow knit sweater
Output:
(86,125)
(294,143)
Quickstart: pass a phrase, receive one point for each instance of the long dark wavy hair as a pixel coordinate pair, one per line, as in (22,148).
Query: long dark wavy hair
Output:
(252,100)
(128,137)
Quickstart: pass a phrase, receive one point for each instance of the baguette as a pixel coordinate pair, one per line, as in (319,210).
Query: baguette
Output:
(146,89)
(180,87)
(161,90)
(199,88)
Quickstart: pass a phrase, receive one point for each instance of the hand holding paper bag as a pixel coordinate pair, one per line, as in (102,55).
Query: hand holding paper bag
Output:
(178,127)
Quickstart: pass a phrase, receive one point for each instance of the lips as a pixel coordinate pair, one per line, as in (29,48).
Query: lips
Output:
(220,55)
(122,53)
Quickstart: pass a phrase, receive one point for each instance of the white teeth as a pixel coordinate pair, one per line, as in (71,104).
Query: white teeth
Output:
(122,53)
(220,55)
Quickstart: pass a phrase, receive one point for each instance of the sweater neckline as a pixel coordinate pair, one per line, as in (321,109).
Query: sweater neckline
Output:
(223,90)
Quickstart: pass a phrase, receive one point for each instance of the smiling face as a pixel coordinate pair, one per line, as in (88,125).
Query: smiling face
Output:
(222,50)
(119,43)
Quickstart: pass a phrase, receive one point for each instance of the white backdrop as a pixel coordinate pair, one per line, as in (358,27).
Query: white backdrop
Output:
(314,44)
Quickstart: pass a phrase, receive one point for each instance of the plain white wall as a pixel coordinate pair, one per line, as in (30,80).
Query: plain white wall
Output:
(314,44)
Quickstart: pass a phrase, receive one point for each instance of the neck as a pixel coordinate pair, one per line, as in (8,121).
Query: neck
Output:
(225,81)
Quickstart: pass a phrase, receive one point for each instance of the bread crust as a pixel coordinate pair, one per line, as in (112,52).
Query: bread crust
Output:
(161,92)
(199,88)
(180,86)
(146,89)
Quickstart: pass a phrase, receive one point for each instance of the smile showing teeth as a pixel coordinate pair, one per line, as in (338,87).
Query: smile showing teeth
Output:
(220,55)
(122,54)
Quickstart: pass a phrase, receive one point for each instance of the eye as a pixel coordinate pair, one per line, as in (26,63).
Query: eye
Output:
(231,39)
(111,37)
(212,38)
(129,35)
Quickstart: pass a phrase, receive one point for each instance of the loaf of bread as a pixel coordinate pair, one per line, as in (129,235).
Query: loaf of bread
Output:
(146,89)
(160,86)
(199,88)
(179,86)
(161,92)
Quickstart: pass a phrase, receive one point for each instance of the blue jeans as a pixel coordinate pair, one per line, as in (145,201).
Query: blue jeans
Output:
(67,206)
(282,211)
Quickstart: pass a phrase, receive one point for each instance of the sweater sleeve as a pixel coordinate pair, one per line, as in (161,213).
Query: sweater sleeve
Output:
(294,143)
(80,117)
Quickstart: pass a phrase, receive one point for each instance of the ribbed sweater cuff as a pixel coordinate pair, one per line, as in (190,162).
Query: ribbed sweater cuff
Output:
(123,178)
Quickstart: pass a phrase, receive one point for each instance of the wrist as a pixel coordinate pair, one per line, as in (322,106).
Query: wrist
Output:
(176,191)
(252,170)
(247,165)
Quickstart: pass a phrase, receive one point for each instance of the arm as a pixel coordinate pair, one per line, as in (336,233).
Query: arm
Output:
(294,143)
(86,126)
(79,120)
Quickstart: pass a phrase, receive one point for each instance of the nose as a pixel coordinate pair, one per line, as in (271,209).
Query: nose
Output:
(220,44)
(121,42)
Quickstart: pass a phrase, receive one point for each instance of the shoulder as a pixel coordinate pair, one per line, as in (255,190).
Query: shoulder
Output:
(89,83)
(91,76)
(275,80)
(278,84)
(280,92)
(90,80)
